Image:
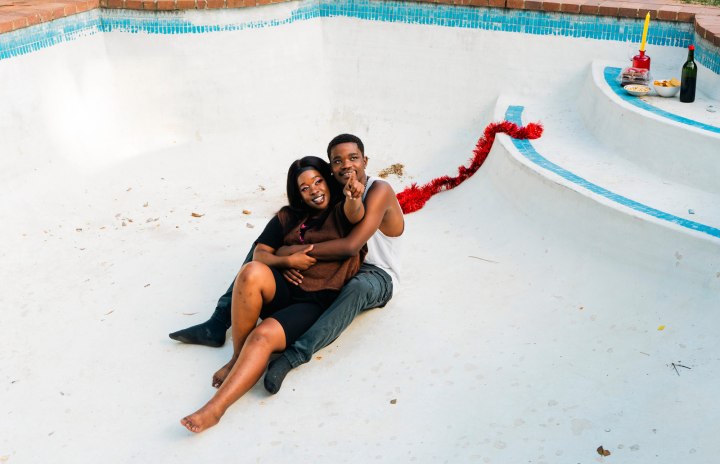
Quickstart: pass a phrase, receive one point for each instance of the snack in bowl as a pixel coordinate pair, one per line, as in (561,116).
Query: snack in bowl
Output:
(667,87)
(637,90)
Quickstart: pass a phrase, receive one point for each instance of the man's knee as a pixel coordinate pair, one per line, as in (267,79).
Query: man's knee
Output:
(359,286)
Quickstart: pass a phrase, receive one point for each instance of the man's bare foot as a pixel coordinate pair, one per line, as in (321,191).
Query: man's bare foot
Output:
(200,420)
(222,373)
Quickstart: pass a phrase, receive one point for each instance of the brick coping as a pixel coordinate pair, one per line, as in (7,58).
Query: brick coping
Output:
(17,14)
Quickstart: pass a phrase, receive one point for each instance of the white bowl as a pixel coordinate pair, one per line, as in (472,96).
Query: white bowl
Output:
(637,90)
(666,91)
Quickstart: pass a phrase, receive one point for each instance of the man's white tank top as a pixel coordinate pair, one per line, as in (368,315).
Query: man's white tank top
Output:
(383,251)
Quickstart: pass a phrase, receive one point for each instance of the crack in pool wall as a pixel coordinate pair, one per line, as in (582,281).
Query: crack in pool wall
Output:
(672,34)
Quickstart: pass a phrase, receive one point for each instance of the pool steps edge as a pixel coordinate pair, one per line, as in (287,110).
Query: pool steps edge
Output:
(595,219)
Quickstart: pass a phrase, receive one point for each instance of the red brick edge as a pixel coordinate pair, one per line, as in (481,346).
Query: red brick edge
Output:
(16,14)
(23,14)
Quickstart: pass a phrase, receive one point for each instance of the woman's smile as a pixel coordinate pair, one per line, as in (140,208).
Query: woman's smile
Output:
(319,200)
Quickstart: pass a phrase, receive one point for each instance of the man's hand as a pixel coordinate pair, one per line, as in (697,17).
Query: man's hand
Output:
(287,250)
(293,276)
(353,188)
(301,260)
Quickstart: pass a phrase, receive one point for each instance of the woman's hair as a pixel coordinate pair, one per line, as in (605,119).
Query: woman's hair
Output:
(297,210)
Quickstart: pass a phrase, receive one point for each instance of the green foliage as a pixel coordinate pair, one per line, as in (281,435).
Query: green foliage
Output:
(703,2)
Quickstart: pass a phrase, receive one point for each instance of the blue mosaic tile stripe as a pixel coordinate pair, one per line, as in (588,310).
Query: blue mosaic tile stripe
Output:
(611,74)
(34,38)
(523,21)
(491,19)
(174,22)
(707,54)
(526,148)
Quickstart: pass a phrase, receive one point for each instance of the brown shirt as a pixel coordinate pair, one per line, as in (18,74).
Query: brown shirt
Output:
(327,275)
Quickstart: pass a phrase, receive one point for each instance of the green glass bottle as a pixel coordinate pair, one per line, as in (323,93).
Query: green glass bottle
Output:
(688,78)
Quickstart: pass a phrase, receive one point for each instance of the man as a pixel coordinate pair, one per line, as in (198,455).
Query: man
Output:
(372,287)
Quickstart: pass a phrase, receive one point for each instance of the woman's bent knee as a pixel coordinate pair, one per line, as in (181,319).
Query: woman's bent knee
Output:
(253,272)
(268,334)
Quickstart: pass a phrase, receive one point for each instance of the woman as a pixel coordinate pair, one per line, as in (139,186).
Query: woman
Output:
(315,213)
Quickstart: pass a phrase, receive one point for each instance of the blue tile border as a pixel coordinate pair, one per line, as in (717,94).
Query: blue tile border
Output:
(611,75)
(672,34)
(707,54)
(175,22)
(34,38)
(509,20)
(526,148)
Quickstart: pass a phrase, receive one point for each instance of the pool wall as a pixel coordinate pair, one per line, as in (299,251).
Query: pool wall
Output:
(467,44)
(151,65)
(528,22)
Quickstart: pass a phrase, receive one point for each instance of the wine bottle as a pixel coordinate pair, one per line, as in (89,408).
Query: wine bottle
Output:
(688,78)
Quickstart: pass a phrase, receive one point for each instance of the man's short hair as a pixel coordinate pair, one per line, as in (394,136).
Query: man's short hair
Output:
(345,138)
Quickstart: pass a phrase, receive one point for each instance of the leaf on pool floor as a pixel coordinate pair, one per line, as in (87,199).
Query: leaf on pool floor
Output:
(189,314)
(603,452)
(197,215)
(110,312)
(247,211)
(396,169)
(661,327)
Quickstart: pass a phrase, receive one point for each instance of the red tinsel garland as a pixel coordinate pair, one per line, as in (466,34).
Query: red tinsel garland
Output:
(413,198)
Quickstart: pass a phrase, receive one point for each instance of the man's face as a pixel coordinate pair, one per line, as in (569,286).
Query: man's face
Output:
(346,158)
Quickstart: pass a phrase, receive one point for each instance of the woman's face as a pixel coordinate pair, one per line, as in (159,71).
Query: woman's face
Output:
(313,189)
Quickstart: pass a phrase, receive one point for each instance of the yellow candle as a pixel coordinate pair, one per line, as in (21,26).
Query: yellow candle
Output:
(645,29)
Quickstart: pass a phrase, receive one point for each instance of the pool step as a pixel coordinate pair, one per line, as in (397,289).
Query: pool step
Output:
(679,142)
(572,179)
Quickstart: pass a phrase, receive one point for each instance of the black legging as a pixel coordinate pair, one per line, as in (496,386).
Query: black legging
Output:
(295,309)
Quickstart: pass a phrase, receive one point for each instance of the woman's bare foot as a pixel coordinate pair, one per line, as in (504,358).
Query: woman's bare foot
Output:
(222,373)
(200,420)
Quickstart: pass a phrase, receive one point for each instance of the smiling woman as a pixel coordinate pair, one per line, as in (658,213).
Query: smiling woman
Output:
(526,328)
(314,215)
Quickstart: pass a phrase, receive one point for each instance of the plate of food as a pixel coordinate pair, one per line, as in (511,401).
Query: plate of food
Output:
(637,90)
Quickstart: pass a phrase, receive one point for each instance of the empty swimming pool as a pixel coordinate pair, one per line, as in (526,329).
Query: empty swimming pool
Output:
(563,298)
